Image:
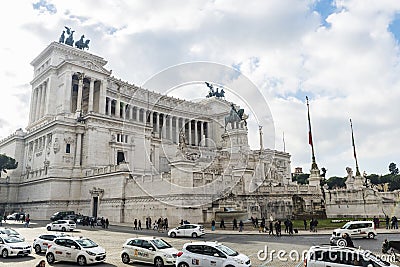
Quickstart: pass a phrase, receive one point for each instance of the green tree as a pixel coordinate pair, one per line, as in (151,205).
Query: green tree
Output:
(336,182)
(393,169)
(374,178)
(301,178)
(7,163)
(394,183)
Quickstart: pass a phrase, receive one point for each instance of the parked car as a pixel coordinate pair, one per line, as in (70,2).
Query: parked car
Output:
(148,250)
(14,216)
(210,254)
(75,249)
(61,215)
(355,229)
(42,242)
(192,230)
(13,246)
(11,232)
(61,225)
(335,256)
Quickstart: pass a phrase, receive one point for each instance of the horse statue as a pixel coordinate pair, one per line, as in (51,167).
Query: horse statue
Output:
(82,44)
(235,116)
(70,39)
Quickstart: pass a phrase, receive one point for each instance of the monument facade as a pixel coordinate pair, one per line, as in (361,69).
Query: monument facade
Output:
(103,147)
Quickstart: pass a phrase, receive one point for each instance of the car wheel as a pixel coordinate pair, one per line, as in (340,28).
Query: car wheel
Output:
(4,253)
(371,236)
(125,258)
(194,235)
(158,262)
(173,234)
(81,261)
(341,243)
(63,229)
(48,228)
(38,249)
(183,264)
(50,258)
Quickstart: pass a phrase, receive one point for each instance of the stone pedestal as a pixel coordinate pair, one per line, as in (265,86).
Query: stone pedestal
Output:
(182,173)
(315,178)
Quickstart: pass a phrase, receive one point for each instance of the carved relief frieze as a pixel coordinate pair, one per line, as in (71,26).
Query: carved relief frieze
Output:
(69,140)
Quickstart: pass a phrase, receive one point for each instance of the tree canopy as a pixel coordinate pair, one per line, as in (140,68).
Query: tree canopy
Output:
(7,163)
(393,169)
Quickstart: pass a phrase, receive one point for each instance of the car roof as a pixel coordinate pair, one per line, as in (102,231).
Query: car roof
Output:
(190,224)
(334,248)
(209,243)
(144,238)
(72,237)
(360,221)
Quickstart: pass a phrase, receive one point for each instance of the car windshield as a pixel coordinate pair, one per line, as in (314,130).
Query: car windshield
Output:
(12,239)
(227,250)
(160,244)
(10,232)
(86,243)
(346,226)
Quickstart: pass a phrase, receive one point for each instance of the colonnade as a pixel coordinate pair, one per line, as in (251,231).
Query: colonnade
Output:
(164,126)
(38,102)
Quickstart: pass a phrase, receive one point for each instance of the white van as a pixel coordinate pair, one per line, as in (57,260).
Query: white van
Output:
(355,229)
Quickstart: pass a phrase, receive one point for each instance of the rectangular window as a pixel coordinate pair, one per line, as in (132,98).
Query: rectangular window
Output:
(68,148)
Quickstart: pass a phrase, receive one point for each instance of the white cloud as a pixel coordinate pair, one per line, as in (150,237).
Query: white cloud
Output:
(349,69)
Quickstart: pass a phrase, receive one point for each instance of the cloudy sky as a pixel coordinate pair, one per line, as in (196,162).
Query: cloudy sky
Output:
(343,54)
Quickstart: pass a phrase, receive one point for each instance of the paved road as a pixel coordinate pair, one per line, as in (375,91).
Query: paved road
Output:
(249,243)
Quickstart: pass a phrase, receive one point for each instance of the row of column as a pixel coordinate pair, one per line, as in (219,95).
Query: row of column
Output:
(38,102)
(81,76)
(194,135)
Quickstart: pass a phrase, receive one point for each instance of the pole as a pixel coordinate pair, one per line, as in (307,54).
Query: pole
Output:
(354,149)
(314,164)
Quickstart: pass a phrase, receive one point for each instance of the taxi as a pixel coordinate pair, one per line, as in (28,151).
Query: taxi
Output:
(148,250)
(13,246)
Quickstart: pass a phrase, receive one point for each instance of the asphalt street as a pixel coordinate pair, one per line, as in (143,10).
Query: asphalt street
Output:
(260,247)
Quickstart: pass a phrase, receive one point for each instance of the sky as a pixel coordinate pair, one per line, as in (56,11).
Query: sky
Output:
(343,55)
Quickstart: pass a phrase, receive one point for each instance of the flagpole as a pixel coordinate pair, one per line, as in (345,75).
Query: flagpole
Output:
(354,149)
(284,145)
(314,164)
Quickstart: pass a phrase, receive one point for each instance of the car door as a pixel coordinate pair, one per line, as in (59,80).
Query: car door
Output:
(196,256)
(212,257)
(60,249)
(180,230)
(133,248)
(72,250)
(147,252)
(56,225)
(355,230)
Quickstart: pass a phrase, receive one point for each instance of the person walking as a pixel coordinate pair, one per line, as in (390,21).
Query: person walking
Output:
(305,224)
(241,226)
(213,225)
(139,225)
(107,223)
(234,227)
(222,224)
(135,224)
(271,228)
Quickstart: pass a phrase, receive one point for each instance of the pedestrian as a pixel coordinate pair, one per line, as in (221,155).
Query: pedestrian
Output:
(222,224)
(139,225)
(213,225)
(315,225)
(241,226)
(290,226)
(41,263)
(27,221)
(305,224)
(262,226)
(135,224)
(107,223)
(286,223)
(271,228)
(312,225)
(387,222)
(92,222)
(234,227)
(349,242)
(166,224)
(181,223)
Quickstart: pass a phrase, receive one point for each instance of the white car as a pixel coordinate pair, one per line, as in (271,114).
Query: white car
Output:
(355,229)
(61,225)
(42,242)
(210,254)
(335,256)
(13,246)
(192,230)
(149,250)
(11,232)
(75,249)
